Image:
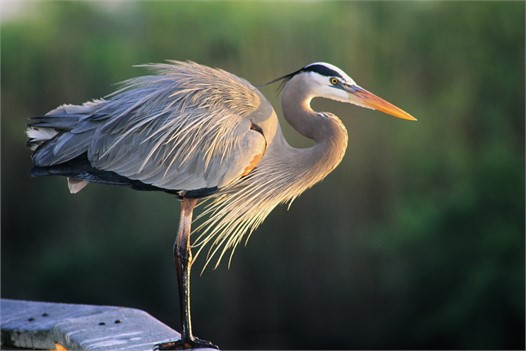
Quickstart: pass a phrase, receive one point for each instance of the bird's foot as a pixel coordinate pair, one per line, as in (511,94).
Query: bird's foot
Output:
(195,343)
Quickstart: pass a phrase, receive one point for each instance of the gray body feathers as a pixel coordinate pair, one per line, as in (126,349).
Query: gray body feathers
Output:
(159,129)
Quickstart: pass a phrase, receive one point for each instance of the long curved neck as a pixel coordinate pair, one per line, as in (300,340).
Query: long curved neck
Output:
(327,131)
(295,102)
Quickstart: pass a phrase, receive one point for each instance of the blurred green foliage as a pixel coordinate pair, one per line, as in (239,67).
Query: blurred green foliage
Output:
(416,241)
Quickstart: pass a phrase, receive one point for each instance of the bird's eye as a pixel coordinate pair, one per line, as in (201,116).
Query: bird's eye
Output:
(334,81)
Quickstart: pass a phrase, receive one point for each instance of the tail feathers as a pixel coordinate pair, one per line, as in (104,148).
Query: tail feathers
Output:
(37,136)
(62,148)
(86,108)
(59,123)
(62,119)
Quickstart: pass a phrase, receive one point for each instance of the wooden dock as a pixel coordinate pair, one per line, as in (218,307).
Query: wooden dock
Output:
(57,326)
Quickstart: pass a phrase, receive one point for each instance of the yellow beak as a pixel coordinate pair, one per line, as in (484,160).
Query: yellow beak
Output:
(367,99)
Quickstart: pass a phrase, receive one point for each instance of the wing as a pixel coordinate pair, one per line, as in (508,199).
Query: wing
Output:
(188,127)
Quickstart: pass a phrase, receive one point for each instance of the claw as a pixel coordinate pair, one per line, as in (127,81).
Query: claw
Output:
(196,343)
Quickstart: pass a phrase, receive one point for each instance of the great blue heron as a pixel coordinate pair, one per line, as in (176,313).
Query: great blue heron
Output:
(199,132)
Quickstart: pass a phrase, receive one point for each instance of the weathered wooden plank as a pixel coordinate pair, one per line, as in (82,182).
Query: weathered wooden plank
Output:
(42,325)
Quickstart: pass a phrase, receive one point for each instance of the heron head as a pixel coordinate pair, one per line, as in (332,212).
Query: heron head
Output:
(328,81)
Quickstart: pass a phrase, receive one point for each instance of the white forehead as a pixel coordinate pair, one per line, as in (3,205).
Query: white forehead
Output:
(334,68)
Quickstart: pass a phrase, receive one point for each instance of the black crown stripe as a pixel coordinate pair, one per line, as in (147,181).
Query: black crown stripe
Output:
(321,69)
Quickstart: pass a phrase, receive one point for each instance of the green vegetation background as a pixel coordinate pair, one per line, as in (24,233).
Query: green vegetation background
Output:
(415,241)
